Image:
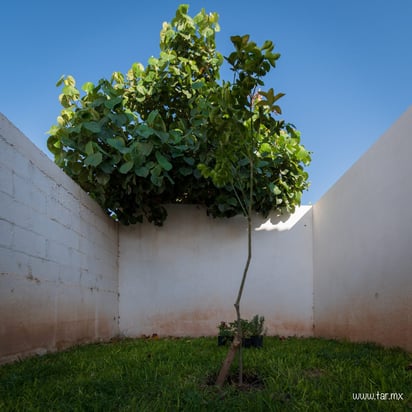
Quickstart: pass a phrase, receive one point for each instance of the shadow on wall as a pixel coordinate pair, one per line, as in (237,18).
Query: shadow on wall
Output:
(362,234)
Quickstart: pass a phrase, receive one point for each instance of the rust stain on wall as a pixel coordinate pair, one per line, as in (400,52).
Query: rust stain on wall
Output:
(391,327)
(204,322)
(47,333)
(197,322)
(288,326)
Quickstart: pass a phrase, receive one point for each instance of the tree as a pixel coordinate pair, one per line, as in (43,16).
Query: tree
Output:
(250,136)
(174,133)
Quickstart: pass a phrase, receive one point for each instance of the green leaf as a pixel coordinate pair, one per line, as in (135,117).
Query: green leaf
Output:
(94,159)
(88,87)
(69,142)
(169,57)
(156,170)
(276,190)
(185,171)
(60,81)
(243,162)
(232,201)
(120,119)
(189,160)
(141,90)
(107,167)
(262,163)
(176,135)
(142,171)
(163,162)
(70,91)
(164,136)
(145,148)
(125,167)
(198,85)
(268,45)
(102,179)
(155,177)
(144,130)
(89,148)
(156,180)
(93,127)
(53,144)
(111,103)
(152,117)
(265,148)
(119,144)
(153,61)
(76,168)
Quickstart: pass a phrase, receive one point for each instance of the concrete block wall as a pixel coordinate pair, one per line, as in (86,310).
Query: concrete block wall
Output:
(69,274)
(363,246)
(183,278)
(58,255)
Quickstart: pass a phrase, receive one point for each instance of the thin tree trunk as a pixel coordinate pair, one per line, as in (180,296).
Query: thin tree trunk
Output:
(237,341)
(224,370)
(239,296)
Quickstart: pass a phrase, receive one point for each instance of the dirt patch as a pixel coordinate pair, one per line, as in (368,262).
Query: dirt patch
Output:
(314,373)
(251,381)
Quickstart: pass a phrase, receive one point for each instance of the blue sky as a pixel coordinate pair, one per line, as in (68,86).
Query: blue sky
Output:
(346,67)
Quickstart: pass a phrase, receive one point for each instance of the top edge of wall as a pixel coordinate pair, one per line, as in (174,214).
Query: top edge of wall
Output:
(404,118)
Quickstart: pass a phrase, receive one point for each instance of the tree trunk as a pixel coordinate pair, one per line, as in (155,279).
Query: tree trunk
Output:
(237,341)
(224,370)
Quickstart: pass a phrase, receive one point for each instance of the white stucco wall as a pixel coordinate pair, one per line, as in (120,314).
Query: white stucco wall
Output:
(69,274)
(58,255)
(183,278)
(363,246)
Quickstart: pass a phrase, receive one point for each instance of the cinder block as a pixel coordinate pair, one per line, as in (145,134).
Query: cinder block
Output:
(13,263)
(24,193)
(58,213)
(14,211)
(80,259)
(59,252)
(69,275)
(7,153)
(6,233)
(44,270)
(68,201)
(6,180)
(28,242)
(19,164)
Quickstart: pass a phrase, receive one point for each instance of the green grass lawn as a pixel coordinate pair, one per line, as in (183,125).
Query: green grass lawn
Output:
(175,375)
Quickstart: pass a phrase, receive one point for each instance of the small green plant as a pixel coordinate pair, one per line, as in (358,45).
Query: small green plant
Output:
(225,330)
(226,333)
(250,329)
(256,325)
(246,328)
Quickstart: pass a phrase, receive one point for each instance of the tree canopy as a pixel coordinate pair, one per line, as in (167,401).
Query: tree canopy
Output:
(173,132)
